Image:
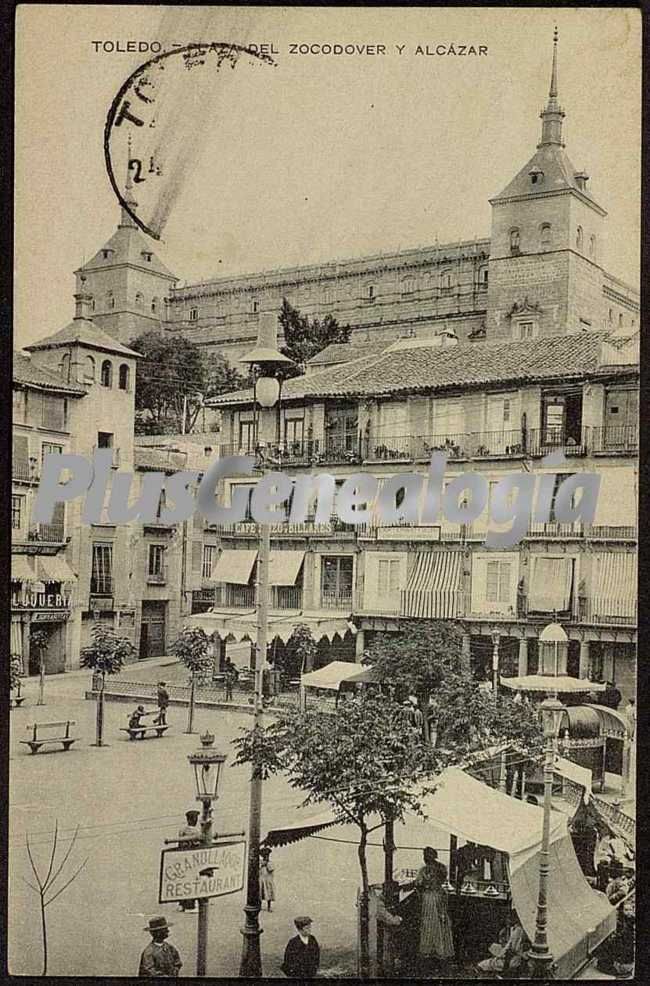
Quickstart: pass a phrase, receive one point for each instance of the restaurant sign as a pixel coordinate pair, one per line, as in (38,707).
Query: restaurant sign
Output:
(205,871)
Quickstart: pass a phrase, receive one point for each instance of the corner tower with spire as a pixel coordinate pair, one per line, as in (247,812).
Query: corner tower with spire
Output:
(544,274)
(126,283)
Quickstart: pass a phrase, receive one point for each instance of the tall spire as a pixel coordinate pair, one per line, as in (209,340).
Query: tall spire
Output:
(553,114)
(129,197)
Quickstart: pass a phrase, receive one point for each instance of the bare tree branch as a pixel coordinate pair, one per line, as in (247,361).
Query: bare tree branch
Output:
(74,875)
(65,858)
(53,853)
(31,860)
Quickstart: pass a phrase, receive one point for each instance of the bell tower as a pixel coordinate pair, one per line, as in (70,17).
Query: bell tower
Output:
(544,273)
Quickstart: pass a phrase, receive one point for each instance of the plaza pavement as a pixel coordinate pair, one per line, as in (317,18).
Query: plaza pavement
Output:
(127,798)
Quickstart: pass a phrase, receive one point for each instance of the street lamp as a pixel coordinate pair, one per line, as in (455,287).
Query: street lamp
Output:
(551,712)
(496,637)
(208,765)
(267,365)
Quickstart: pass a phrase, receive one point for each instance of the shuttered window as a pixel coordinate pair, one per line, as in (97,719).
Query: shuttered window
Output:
(53,412)
(497,582)
(20,457)
(197,557)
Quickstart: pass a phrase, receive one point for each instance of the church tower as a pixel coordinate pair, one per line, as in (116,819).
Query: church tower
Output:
(126,281)
(545,276)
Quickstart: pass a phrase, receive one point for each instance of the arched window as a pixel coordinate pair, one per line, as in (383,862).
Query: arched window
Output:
(194,314)
(139,300)
(88,370)
(620,320)
(408,285)
(483,277)
(154,305)
(92,304)
(446,283)
(123,380)
(545,235)
(107,373)
(610,315)
(110,300)
(592,246)
(327,296)
(370,292)
(65,367)
(514,240)
(255,307)
(579,238)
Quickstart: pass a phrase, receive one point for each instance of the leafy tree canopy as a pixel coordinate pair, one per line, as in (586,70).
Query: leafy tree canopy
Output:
(107,652)
(304,336)
(175,371)
(191,647)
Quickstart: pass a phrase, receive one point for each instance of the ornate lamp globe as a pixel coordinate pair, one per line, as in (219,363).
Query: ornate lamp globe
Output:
(208,764)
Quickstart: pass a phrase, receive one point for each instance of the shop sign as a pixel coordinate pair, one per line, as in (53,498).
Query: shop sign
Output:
(206,871)
(40,600)
(50,617)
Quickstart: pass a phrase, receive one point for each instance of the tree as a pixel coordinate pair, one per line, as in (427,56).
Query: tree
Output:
(304,337)
(173,380)
(44,885)
(300,650)
(191,648)
(359,759)
(39,639)
(106,654)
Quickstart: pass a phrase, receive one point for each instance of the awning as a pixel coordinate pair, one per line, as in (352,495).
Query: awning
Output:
(22,569)
(235,566)
(294,831)
(225,623)
(550,584)
(284,567)
(433,590)
(578,917)
(54,568)
(564,683)
(615,581)
(574,772)
(613,724)
(334,674)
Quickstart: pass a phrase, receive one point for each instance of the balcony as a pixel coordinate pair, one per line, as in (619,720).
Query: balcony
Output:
(286,597)
(498,444)
(400,448)
(615,440)
(543,441)
(232,596)
(157,578)
(101,585)
(457,446)
(25,471)
(336,599)
(51,533)
(340,451)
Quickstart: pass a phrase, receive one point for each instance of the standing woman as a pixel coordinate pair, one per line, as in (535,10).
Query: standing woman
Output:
(435,942)
(267,882)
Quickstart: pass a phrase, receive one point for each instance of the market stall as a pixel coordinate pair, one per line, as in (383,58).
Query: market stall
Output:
(334,677)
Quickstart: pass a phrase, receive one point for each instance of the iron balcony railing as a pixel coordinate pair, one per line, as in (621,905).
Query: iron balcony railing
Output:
(53,533)
(336,599)
(543,441)
(340,450)
(25,471)
(286,597)
(615,438)
(232,596)
(101,585)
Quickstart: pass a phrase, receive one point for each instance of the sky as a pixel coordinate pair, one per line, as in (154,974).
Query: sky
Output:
(321,156)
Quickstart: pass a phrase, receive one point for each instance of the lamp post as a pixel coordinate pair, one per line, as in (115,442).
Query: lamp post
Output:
(207,764)
(496,637)
(266,363)
(551,712)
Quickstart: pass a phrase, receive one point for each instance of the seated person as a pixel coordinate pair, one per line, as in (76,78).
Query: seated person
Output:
(510,951)
(618,886)
(135,717)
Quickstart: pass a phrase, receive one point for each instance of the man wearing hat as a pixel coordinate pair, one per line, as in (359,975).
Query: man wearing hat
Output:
(302,954)
(163,702)
(189,836)
(159,958)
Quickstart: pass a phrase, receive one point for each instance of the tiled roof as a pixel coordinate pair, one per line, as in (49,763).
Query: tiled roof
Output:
(449,367)
(26,372)
(85,332)
(128,246)
(343,352)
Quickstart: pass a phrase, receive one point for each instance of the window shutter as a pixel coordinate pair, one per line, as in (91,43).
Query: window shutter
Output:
(504,582)
(197,557)
(492,586)
(58,517)
(20,456)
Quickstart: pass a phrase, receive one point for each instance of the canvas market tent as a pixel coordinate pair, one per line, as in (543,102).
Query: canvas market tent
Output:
(332,676)
(579,918)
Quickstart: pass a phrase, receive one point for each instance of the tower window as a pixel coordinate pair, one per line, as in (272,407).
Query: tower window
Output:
(483,277)
(107,373)
(592,246)
(124,377)
(620,320)
(408,285)
(194,315)
(545,235)
(139,300)
(579,238)
(446,283)
(611,315)
(154,305)
(110,300)
(371,292)
(526,330)
(255,307)
(514,241)
(88,370)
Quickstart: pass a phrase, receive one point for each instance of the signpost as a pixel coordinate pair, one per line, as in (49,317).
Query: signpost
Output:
(202,872)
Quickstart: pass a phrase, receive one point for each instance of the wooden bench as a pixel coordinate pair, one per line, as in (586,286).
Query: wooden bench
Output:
(37,741)
(141,732)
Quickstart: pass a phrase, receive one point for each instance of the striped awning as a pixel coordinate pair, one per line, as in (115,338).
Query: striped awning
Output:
(550,586)
(22,569)
(615,585)
(284,567)
(434,587)
(54,568)
(235,566)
